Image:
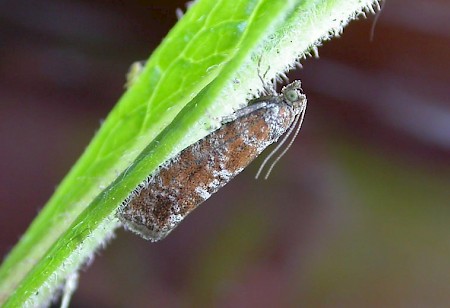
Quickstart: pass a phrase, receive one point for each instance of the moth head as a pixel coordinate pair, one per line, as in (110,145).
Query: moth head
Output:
(292,94)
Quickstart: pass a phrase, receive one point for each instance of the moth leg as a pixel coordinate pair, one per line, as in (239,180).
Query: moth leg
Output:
(244,111)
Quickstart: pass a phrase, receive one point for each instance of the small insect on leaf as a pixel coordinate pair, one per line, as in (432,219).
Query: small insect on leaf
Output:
(166,197)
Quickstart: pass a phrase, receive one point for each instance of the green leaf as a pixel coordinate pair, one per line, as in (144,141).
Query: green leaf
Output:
(205,68)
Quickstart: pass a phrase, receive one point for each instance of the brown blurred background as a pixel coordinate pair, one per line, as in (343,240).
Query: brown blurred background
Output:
(356,214)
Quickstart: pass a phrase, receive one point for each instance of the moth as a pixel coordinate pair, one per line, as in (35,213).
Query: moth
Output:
(159,204)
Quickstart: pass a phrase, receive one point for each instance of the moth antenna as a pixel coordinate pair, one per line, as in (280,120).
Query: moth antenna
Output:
(277,148)
(375,20)
(69,288)
(301,116)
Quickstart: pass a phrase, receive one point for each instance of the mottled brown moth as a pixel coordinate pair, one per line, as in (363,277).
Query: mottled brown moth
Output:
(167,196)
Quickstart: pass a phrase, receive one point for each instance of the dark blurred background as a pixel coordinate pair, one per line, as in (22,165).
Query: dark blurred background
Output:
(356,214)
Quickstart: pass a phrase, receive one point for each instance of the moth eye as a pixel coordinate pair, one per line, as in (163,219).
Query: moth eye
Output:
(292,95)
